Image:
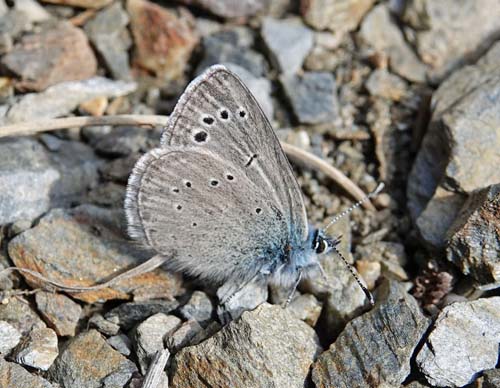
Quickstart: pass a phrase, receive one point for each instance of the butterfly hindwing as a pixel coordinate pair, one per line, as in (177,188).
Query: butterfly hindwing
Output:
(204,212)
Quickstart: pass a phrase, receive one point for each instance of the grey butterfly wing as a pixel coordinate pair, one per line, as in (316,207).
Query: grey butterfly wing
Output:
(205,213)
(218,113)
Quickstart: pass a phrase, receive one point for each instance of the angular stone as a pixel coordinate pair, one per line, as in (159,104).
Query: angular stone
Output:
(247,298)
(164,38)
(391,256)
(288,42)
(313,96)
(260,87)
(448,33)
(59,312)
(375,349)
(459,152)
(38,349)
(274,341)
(229,8)
(306,308)
(61,99)
(335,15)
(105,326)
(232,47)
(188,334)
(52,56)
(13,375)
(121,343)
(95,107)
(107,32)
(381,83)
(129,314)
(123,141)
(379,31)
(92,4)
(18,313)
(9,337)
(149,336)
(118,170)
(474,237)
(87,361)
(33,10)
(91,235)
(463,343)
(199,307)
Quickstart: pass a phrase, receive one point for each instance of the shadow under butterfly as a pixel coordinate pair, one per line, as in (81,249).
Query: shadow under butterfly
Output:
(218,199)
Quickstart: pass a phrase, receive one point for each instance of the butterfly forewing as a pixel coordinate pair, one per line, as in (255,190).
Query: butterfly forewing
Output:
(204,212)
(218,113)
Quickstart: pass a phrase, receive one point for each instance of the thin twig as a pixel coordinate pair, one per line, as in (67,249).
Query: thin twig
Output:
(330,171)
(153,377)
(81,121)
(154,120)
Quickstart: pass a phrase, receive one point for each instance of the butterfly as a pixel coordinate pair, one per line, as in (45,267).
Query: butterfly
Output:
(218,197)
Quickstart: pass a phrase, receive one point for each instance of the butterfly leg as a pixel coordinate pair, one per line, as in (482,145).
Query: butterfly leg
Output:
(295,285)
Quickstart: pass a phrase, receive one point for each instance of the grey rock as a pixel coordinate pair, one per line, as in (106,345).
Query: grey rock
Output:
(474,237)
(335,15)
(275,342)
(247,298)
(448,33)
(18,313)
(306,308)
(229,8)
(149,336)
(381,83)
(59,312)
(313,96)
(288,42)
(375,349)
(34,12)
(189,333)
(459,150)
(105,326)
(107,194)
(259,86)
(491,378)
(379,31)
(121,343)
(9,337)
(463,342)
(118,170)
(34,180)
(107,31)
(61,99)
(38,349)
(129,314)
(88,361)
(13,23)
(199,307)
(123,141)
(227,46)
(3,8)
(390,255)
(13,375)
(94,235)
(438,216)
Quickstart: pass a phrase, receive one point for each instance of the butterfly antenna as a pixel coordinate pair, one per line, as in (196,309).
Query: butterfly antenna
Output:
(351,269)
(374,193)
